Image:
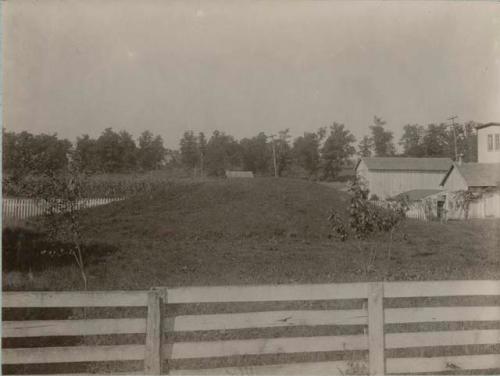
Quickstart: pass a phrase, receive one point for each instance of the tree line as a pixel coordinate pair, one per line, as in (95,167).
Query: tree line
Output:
(320,155)
(25,153)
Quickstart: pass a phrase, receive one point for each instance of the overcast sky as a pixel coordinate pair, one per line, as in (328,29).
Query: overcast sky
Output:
(75,67)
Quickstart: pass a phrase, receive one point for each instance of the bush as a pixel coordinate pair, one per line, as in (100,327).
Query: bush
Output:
(25,250)
(366,218)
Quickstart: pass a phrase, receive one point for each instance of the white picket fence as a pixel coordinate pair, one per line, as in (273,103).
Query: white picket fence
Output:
(14,209)
(415,210)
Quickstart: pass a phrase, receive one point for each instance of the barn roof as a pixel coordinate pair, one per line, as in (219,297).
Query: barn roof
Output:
(418,194)
(407,164)
(477,174)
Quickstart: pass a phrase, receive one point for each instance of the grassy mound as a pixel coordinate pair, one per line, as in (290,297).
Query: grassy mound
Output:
(225,209)
(265,231)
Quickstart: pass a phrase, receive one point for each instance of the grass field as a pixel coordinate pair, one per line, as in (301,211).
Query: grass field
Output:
(265,231)
(256,231)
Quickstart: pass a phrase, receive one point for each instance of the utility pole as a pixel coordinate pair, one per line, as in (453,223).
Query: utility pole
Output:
(454,135)
(274,156)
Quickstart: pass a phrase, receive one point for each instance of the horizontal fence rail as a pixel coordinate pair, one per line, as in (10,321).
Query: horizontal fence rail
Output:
(372,339)
(15,209)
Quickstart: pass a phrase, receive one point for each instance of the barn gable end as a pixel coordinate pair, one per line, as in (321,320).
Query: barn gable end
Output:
(388,177)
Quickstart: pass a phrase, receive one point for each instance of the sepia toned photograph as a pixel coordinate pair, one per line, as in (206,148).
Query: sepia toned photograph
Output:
(251,187)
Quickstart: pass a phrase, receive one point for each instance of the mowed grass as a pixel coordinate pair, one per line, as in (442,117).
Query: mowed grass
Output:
(259,231)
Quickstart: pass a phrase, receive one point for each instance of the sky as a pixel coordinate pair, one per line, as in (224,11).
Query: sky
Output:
(73,67)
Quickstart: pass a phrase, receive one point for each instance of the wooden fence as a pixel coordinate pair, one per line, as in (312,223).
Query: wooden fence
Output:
(377,341)
(15,209)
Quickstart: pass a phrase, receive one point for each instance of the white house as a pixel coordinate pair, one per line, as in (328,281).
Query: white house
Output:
(488,143)
(390,176)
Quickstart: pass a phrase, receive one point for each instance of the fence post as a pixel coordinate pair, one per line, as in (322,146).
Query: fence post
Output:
(153,358)
(376,338)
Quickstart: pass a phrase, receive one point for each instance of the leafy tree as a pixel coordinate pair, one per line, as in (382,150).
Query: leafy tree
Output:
(25,153)
(18,153)
(128,151)
(306,151)
(9,150)
(365,147)
(438,141)
(412,140)
(49,153)
(223,153)
(61,194)
(108,149)
(281,151)
(337,150)
(63,220)
(382,139)
(86,155)
(202,149)
(151,152)
(189,150)
(116,152)
(255,154)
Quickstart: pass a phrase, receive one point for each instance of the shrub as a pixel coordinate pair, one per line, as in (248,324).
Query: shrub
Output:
(366,218)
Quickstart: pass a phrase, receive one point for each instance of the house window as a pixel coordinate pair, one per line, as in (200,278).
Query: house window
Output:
(490,142)
(497,141)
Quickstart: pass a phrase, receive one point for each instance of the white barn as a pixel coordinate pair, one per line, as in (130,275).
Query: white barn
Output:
(390,176)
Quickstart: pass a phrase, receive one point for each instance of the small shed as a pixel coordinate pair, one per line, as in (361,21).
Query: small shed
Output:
(472,190)
(238,174)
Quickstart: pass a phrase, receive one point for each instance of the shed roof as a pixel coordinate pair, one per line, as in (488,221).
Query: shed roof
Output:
(477,174)
(407,164)
(418,194)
